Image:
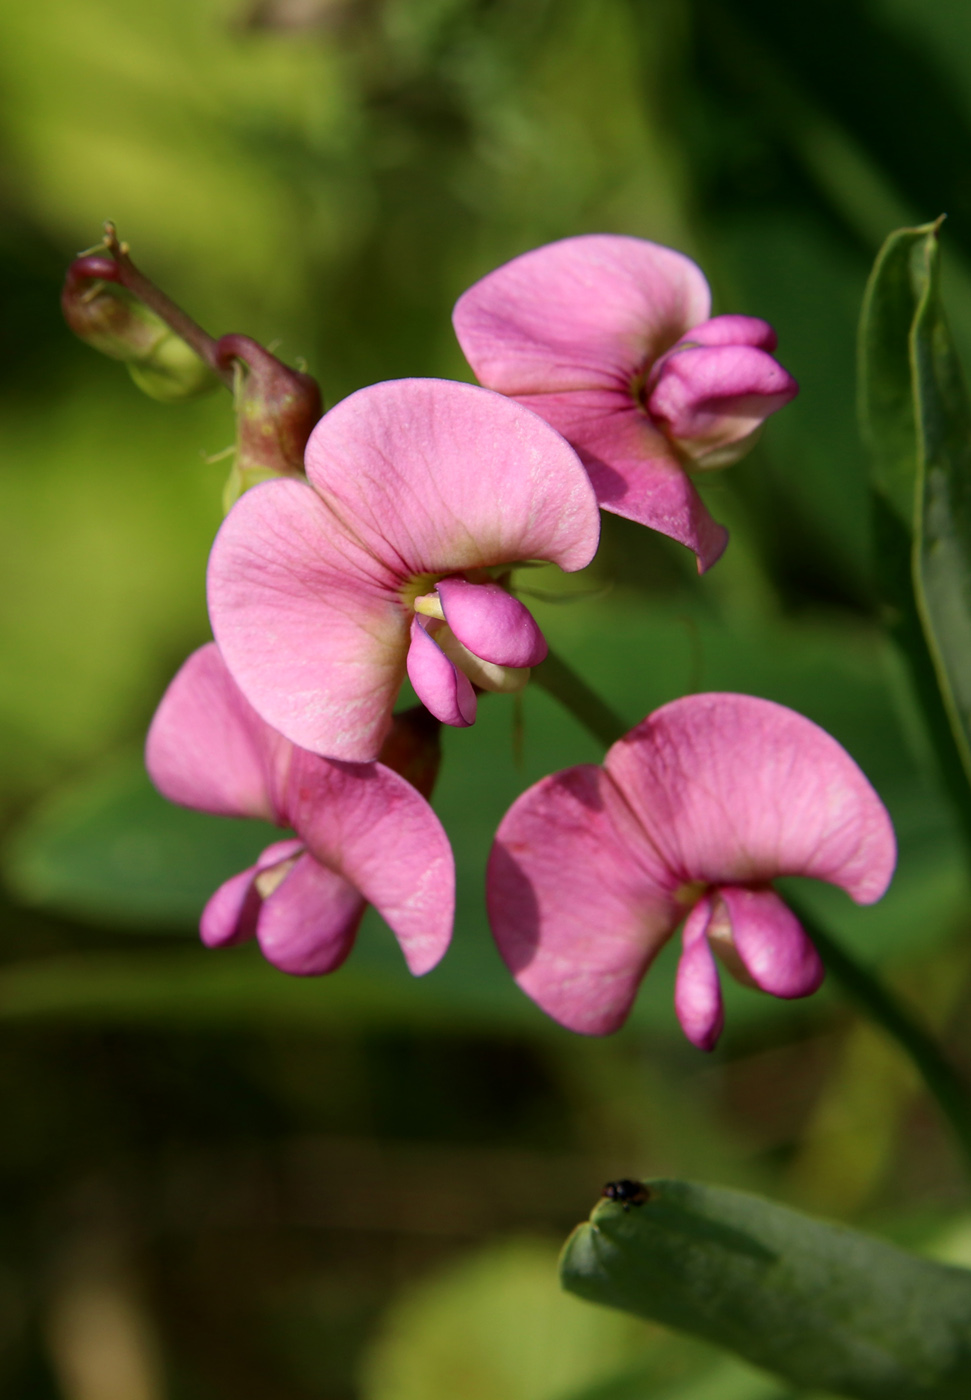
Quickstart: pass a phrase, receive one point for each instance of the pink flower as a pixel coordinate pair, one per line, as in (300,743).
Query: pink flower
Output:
(362,833)
(608,339)
(693,814)
(321,593)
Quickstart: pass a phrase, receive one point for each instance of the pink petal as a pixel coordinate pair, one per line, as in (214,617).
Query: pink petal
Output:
(440,686)
(635,471)
(584,313)
(731,789)
(308,924)
(231,914)
(491,623)
(371,827)
(208,749)
(772,943)
(436,477)
(309,623)
(710,397)
(697,992)
(733,330)
(577,908)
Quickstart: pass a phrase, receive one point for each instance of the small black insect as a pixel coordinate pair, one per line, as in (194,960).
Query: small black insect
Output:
(628,1193)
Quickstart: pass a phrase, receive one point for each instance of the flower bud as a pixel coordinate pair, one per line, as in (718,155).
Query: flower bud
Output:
(276,411)
(108,317)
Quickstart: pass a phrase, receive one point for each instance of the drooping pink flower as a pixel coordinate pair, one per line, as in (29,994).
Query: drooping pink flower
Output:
(362,833)
(608,338)
(321,593)
(693,814)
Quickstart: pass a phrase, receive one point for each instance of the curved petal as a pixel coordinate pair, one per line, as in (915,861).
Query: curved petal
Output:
(635,471)
(309,624)
(576,908)
(583,313)
(231,914)
(308,924)
(731,789)
(370,826)
(771,942)
(207,748)
(439,684)
(707,398)
(733,330)
(436,477)
(491,623)
(697,990)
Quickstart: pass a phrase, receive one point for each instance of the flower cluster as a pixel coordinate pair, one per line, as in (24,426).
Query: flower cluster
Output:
(606,384)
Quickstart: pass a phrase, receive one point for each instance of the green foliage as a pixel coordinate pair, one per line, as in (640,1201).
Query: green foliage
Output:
(917,420)
(823,1306)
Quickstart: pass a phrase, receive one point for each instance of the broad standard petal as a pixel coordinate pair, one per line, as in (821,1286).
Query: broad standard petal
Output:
(577,909)
(731,789)
(371,827)
(435,477)
(309,623)
(583,313)
(634,470)
(207,748)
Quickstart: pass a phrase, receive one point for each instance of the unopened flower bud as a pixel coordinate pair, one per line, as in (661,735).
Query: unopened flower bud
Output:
(413,748)
(111,319)
(276,410)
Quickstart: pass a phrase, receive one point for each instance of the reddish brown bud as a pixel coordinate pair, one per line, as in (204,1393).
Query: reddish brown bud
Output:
(413,748)
(276,410)
(107,316)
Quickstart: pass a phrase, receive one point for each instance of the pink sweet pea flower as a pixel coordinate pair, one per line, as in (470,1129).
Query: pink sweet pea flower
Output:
(363,834)
(322,593)
(608,339)
(695,811)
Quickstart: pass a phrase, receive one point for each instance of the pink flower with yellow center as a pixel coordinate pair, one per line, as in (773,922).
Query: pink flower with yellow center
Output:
(420,491)
(609,339)
(693,814)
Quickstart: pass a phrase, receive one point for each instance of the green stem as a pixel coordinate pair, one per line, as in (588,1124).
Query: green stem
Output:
(943,1081)
(562,682)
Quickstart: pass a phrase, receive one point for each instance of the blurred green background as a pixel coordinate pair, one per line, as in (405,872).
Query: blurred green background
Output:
(216,1181)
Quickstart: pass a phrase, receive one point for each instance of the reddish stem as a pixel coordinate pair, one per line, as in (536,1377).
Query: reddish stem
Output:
(129,277)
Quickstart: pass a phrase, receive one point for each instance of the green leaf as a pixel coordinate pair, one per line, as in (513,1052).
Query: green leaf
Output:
(942,535)
(821,1305)
(110,849)
(916,420)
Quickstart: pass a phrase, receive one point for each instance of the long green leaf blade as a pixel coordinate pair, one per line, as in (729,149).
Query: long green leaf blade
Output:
(942,535)
(916,421)
(823,1306)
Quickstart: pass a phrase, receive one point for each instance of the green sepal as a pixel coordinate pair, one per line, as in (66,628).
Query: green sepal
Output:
(823,1306)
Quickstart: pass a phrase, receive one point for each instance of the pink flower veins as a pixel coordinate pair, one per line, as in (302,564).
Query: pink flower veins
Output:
(322,593)
(608,338)
(363,834)
(693,814)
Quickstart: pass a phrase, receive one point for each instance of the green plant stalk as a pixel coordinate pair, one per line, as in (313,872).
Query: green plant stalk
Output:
(564,684)
(943,1081)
